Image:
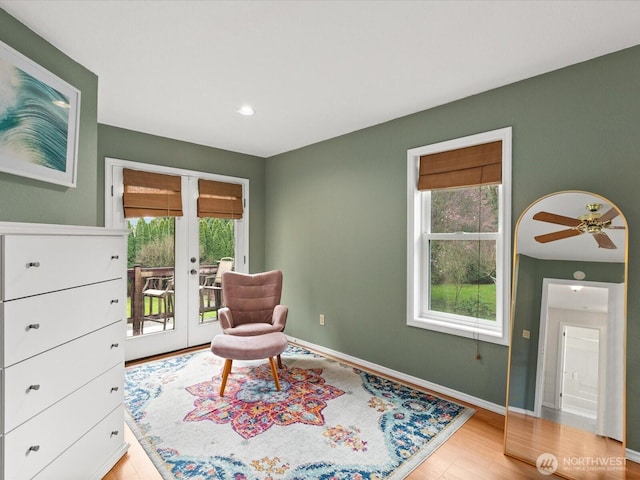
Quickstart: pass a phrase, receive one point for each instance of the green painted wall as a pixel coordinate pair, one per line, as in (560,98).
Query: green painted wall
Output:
(336,215)
(26,200)
(140,147)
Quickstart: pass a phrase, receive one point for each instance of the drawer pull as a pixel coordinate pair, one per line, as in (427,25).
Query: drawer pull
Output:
(114,389)
(115,433)
(115,345)
(115,300)
(115,257)
(33,326)
(33,448)
(34,387)
(33,264)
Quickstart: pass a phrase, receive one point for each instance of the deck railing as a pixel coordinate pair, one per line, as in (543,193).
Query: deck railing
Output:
(137,278)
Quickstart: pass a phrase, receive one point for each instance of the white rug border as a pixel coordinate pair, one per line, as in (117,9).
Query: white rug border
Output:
(400,473)
(158,463)
(419,457)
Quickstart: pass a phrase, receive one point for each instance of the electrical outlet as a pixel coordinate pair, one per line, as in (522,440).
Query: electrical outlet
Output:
(526,334)
(322,320)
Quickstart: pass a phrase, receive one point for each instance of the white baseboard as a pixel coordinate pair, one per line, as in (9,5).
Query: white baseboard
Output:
(478,402)
(522,411)
(633,455)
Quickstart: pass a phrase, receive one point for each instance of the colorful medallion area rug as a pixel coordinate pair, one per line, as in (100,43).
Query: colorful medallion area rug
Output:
(329,421)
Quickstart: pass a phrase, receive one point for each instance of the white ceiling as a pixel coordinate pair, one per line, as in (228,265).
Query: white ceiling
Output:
(592,299)
(312,70)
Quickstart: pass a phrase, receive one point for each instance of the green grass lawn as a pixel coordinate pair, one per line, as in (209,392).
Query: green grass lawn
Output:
(147,303)
(443,300)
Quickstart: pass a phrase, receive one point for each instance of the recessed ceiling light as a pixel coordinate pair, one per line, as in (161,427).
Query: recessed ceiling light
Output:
(246,110)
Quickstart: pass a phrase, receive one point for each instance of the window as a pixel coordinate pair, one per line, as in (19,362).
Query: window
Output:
(459,236)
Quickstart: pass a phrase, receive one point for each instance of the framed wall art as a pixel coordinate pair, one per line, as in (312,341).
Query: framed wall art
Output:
(39,121)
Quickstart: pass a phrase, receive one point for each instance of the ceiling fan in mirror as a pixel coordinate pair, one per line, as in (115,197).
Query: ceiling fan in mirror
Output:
(593,222)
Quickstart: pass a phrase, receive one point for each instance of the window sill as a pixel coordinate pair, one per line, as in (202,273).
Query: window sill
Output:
(483,335)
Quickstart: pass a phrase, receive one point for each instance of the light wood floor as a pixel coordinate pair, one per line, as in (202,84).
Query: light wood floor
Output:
(475,451)
(529,437)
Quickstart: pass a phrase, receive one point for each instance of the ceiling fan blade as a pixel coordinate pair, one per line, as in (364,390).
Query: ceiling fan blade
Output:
(550,237)
(615,227)
(611,214)
(604,241)
(557,219)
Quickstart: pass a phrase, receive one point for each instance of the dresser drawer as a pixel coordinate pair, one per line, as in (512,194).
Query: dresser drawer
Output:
(32,325)
(91,457)
(34,264)
(35,444)
(35,384)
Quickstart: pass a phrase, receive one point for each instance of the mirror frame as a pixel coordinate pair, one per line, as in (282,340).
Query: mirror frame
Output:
(545,463)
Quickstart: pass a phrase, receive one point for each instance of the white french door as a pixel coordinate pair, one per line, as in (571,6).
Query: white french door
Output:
(579,370)
(171,313)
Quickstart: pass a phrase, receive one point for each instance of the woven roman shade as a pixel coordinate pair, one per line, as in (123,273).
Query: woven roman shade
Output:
(148,194)
(462,167)
(219,199)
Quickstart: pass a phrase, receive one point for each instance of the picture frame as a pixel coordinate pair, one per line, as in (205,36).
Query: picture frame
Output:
(39,121)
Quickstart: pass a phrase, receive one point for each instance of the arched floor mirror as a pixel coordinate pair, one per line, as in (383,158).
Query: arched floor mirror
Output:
(565,386)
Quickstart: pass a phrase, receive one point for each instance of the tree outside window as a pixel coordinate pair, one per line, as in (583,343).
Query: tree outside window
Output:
(463,272)
(151,241)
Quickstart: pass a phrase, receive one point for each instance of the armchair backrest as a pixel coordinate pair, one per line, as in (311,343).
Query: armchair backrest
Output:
(252,297)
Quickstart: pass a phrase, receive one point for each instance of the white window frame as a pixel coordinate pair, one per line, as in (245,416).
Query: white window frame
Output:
(418,212)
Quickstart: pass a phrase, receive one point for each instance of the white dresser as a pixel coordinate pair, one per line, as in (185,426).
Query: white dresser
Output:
(62,323)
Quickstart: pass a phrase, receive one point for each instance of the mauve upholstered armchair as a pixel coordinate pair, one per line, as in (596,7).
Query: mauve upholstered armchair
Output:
(252,304)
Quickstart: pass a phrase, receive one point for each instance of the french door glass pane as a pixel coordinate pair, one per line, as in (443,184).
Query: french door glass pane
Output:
(216,243)
(462,277)
(151,267)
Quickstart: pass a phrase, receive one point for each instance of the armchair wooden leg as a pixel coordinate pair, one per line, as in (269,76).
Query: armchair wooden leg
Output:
(225,374)
(274,371)
(279,362)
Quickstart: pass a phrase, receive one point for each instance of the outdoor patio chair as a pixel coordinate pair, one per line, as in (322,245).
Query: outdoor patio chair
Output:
(252,304)
(159,291)
(211,287)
